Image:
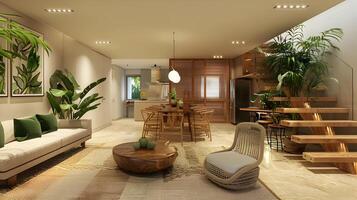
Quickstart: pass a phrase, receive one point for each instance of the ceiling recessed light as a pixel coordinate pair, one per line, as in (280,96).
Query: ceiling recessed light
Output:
(59,10)
(291,6)
(238,42)
(102,42)
(217,57)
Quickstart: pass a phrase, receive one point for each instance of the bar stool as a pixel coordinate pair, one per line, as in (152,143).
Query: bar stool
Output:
(265,124)
(276,136)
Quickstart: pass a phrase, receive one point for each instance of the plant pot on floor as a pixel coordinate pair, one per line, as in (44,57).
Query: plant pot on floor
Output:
(292,147)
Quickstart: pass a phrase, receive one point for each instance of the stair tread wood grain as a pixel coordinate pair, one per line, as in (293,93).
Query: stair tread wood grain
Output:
(321,123)
(312,110)
(305,99)
(330,157)
(324,139)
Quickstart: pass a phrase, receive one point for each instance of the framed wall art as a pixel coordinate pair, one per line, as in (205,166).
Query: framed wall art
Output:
(27,69)
(3,71)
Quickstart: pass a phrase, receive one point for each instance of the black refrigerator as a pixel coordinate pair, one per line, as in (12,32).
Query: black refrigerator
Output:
(240,94)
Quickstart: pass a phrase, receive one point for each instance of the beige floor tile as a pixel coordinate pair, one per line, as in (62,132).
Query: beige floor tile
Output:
(91,173)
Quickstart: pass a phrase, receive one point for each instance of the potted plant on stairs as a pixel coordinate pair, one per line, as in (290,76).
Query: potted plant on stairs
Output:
(298,62)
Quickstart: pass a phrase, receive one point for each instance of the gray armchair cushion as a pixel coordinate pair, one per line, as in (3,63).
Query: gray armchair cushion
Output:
(229,161)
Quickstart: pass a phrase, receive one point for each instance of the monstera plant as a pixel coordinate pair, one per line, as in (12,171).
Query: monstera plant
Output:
(298,63)
(66,98)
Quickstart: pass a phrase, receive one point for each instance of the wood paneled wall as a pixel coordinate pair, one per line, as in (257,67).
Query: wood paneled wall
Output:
(192,87)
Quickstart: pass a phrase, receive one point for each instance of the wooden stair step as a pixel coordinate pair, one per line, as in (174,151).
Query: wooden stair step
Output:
(305,99)
(330,157)
(312,110)
(315,123)
(324,139)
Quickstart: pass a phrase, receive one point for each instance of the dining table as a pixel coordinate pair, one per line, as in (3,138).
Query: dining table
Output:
(185,110)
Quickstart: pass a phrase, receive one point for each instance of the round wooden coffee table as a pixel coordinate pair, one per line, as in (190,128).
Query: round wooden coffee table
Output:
(143,160)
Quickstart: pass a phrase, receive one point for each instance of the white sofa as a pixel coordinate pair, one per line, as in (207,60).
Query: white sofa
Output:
(16,157)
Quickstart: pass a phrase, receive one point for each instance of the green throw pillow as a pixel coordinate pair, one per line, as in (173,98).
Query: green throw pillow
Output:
(2,136)
(48,123)
(26,129)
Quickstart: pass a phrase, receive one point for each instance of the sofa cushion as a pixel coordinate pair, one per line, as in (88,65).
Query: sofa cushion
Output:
(17,153)
(8,130)
(26,129)
(229,161)
(2,136)
(48,123)
(68,136)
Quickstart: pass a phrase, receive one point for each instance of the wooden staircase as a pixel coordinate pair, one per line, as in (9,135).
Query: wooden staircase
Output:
(324,139)
(336,150)
(315,123)
(313,110)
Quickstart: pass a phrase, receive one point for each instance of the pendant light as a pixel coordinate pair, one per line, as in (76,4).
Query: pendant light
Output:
(174,76)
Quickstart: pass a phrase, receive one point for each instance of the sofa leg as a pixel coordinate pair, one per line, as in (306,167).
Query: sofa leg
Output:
(12,181)
(83,144)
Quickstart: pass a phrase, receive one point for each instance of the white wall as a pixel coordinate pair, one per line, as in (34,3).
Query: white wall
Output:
(342,16)
(118,92)
(86,65)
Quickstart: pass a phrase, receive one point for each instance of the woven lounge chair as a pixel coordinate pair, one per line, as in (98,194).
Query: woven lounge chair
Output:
(238,167)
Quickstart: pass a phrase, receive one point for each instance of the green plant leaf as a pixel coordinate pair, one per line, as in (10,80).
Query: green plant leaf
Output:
(59,80)
(57,92)
(34,81)
(56,109)
(91,86)
(19,82)
(66,106)
(89,100)
(72,79)
(81,112)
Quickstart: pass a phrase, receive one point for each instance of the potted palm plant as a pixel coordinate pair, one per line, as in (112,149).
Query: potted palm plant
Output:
(66,98)
(298,63)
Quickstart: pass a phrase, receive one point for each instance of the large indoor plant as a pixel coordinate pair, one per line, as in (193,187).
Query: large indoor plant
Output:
(66,98)
(298,62)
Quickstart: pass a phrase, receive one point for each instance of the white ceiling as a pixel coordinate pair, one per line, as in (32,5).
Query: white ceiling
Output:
(143,28)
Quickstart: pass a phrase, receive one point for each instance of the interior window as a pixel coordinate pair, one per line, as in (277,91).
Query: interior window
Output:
(212,86)
(133,87)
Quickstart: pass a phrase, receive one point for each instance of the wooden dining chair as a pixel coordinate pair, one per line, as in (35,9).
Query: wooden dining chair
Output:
(172,122)
(152,121)
(201,123)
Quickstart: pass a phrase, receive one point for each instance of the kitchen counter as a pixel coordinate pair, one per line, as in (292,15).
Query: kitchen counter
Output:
(142,104)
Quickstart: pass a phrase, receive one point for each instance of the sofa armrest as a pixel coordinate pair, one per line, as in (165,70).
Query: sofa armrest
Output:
(73,123)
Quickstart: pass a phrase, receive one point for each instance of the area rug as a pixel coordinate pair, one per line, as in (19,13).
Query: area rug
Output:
(91,173)
(189,162)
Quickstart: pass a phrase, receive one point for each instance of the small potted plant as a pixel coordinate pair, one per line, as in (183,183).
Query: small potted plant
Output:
(180,103)
(263,99)
(144,143)
(173,97)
